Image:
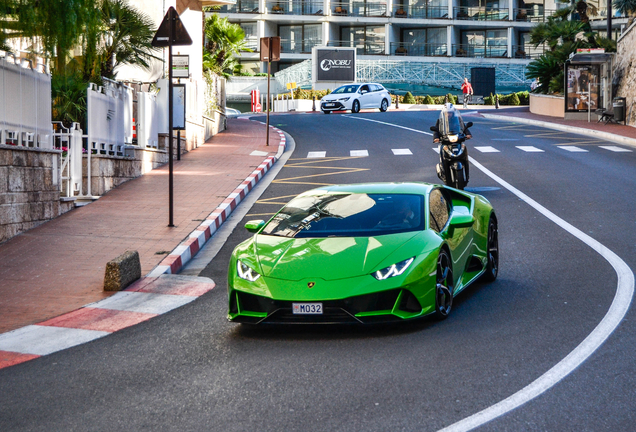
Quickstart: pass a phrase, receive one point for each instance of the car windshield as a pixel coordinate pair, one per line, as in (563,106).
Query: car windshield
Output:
(346,89)
(348,215)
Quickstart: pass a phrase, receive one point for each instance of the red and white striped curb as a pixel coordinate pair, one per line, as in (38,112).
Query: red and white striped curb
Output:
(183,253)
(145,299)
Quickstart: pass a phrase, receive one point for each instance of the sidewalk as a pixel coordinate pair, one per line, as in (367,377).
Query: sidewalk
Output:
(613,132)
(59,266)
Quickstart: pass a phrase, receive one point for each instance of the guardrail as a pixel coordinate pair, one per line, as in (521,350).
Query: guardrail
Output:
(481,13)
(527,51)
(490,51)
(295,7)
(418,49)
(413,11)
(532,14)
(362,47)
(288,46)
(359,9)
(241,6)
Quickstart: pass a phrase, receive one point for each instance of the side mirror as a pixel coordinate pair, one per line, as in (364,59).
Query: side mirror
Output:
(363,91)
(468,125)
(254,226)
(434,129)
(461,220)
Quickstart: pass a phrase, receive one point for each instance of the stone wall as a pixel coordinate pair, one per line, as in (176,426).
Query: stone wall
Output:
(624,81)
(108,172)
(29,189)
(553,106)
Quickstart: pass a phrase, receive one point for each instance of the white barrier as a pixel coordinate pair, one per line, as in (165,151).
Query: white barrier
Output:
(109,117)
(25,103)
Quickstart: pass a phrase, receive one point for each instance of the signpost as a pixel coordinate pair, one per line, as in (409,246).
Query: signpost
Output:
(171,33)
(270,51)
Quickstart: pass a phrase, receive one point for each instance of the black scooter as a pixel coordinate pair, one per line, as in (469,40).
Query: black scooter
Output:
(453,168)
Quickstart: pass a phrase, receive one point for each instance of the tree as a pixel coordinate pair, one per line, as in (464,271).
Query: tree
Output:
(224,40)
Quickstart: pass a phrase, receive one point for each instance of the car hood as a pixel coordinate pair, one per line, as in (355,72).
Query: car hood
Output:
(328,258)
(335,97)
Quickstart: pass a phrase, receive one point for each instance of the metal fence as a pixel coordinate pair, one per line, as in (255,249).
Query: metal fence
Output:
(295,7)
(418,49)
(25,103)
(362,47)
(109,117)
(417,11)
(359,9)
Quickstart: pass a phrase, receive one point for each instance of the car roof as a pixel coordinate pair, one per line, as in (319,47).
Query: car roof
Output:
(376,188)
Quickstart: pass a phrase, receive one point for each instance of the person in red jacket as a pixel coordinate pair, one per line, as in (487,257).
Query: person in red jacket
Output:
(467,89)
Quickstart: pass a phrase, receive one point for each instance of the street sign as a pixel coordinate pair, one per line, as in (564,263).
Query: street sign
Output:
(291,86)
(270,48)
(171,26)
(180,66)
(179,107)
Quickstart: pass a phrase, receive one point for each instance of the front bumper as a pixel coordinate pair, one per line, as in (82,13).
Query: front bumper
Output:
(334,106)
(380,307)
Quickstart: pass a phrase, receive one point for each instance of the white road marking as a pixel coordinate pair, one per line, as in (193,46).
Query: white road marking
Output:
(359,153)
(401,152)
(573,149)
(258,153)
(43,340)
(487,149)
(143,302)
(615,148)
(504,139)
(388,124)
(609,323)
(317,154)
(530,149)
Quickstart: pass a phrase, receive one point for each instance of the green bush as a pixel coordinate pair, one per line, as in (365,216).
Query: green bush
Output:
(452,98)
(408,98)
(428,100)
(489,100)
(514,99)
(524,97)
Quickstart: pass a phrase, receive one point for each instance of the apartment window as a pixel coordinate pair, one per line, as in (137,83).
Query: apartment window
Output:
(367,39)
(299,38)
(251,34)
(423,42)
(489,43)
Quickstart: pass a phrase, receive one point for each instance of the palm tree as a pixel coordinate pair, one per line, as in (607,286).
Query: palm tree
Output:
(224,40)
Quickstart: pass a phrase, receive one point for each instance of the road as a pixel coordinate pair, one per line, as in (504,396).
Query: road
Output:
(192,370)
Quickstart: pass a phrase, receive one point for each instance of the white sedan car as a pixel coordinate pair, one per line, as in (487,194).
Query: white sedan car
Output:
(356,96)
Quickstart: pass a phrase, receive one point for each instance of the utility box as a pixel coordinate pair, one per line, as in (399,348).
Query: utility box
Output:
(483,81)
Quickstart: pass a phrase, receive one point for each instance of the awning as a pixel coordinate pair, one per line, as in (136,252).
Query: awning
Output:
(591,58)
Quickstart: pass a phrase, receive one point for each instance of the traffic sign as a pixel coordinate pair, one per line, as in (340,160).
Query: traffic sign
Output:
(171,27)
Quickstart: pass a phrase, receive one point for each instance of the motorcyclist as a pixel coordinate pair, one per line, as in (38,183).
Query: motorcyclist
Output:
(450,120)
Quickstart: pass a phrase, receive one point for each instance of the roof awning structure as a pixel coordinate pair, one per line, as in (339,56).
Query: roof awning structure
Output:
(591,58)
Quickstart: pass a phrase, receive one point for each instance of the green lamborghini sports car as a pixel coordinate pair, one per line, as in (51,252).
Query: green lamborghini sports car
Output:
(363,253)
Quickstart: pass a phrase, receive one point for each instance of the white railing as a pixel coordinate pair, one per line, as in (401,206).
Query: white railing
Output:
(70,141)
(25,103)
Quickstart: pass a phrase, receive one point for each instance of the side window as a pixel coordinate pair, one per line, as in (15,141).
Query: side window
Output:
(374,87)
(364,88)
(439,210)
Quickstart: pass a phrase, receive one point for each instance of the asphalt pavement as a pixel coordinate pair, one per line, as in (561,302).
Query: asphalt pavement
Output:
(189,369)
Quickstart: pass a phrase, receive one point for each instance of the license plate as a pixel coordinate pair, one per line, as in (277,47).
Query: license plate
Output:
(307,308)
(330,104)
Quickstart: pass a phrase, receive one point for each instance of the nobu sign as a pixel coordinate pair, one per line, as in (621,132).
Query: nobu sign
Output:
(335,64)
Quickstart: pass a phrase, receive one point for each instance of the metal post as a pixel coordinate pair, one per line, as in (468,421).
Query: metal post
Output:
(178,144)
(589,101)
(170,176)
(313,104)
(497,101)
(269,56)
(397,101)
(609,19)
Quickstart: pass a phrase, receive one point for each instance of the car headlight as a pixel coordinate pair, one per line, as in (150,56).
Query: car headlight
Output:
(246,272)
(394,270)
(344,99)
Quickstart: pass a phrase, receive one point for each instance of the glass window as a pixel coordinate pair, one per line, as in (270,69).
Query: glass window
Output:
(364,88)
(346,89)
(439,210)
(348,215)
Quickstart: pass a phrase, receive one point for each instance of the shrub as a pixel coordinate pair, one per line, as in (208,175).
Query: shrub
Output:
(408,98)
(489,100)
(513,99)
(452,98)
(524,97)
(428,100)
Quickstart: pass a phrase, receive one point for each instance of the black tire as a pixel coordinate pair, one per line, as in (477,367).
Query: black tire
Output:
(492,251)
(326,112)
(443,286)
(355,107)
(384,105)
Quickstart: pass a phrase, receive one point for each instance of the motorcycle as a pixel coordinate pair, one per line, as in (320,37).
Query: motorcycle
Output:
(451,132)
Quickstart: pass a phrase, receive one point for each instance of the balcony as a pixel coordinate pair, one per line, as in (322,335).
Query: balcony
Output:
(527,52)
(422,12)
(241,6)
(296,7)
(418,49)
(532,15)
(362,47)
(481,13)
(470,50)
(252,43)
(288,46)
(359,9)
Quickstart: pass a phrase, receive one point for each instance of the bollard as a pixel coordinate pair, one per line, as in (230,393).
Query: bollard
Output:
(397,101)
(313,104)
(496,101)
